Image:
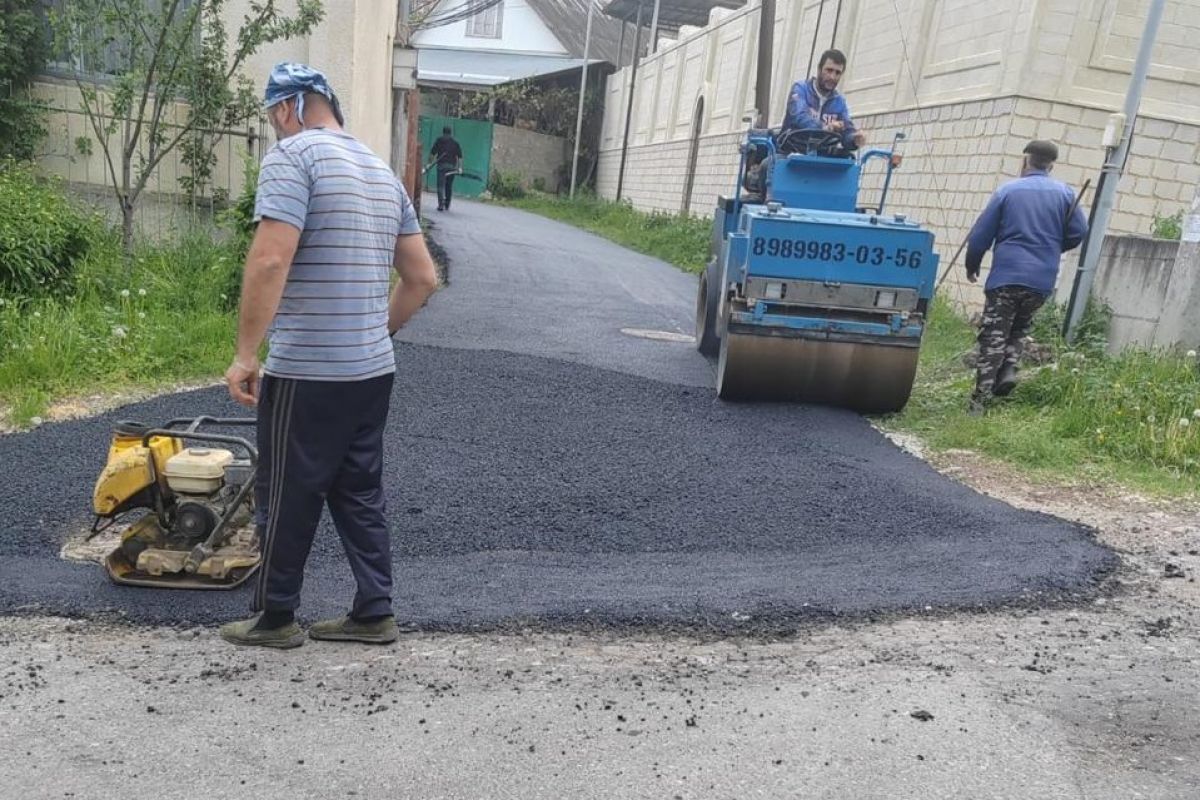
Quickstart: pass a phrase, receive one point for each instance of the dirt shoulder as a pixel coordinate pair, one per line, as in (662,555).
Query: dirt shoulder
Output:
(89,405)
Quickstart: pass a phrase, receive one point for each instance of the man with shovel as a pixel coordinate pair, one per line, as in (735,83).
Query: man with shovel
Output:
(1028,224)
(449,155)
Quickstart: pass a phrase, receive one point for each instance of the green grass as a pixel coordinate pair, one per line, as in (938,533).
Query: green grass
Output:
(678,240)
(166,316)
(1083,416)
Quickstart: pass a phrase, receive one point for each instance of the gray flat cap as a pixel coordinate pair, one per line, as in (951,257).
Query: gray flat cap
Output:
(1042,149)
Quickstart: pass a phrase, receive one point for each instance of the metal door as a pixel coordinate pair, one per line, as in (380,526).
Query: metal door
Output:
(475,139)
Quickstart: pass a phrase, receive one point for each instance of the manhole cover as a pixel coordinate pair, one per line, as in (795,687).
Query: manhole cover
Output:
(660,336)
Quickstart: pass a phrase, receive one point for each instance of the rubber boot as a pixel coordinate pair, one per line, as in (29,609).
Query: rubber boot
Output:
(1006,380)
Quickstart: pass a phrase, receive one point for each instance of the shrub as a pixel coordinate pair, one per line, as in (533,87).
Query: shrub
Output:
(238,219)
(23,48)
(506,186)
(42,235)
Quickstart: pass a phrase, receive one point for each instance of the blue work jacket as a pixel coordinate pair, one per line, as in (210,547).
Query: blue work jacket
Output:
(807,111)
(1025,225)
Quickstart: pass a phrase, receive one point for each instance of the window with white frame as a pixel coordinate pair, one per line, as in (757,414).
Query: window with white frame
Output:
(487,19)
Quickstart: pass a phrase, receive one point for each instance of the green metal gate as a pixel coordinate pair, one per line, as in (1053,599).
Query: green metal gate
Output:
(475,138)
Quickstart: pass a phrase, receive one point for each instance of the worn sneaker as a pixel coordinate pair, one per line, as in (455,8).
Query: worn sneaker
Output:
(382,631)
(244,634)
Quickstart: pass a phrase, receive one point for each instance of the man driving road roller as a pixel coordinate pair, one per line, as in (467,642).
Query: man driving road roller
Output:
(816,104)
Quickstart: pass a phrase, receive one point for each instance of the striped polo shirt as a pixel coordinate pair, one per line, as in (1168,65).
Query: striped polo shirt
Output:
(349,207)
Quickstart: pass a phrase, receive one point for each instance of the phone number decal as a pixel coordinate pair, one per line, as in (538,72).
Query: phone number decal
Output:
(836,252)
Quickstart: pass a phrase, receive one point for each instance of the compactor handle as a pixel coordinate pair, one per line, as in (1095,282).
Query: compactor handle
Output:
(195,558)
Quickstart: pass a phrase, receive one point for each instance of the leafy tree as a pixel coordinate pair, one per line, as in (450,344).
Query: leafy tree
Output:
(23,51)
(134,60)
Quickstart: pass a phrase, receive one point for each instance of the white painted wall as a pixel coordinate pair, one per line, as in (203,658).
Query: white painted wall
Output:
(522,31)
(353,47)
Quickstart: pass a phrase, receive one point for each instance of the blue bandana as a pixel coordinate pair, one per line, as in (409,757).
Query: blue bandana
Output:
(294,80)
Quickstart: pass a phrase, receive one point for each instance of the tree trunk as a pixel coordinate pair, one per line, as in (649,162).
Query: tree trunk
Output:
(127,229)
(127,198)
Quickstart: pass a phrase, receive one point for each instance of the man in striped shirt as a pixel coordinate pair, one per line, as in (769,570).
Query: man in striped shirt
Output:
(333,221)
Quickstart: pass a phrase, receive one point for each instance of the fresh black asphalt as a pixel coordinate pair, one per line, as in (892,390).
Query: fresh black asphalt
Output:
(531,482)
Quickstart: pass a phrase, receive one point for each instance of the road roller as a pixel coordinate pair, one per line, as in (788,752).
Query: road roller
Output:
(810,296)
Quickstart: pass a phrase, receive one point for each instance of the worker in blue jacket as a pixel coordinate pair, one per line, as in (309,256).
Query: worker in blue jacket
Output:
(815,104)
(1028,224)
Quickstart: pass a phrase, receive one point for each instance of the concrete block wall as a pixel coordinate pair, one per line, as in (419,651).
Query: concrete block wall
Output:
(952,155)
(531,155)
(353,48)
(1160,176)
(957,161)
(1179,323)
(67,124)
(1133,278)
(72,152)
(656,175)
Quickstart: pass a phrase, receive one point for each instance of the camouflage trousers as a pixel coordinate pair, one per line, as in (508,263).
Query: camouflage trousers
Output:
(1007,318)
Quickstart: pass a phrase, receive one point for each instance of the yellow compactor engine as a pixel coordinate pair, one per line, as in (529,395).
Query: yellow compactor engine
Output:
(196,530)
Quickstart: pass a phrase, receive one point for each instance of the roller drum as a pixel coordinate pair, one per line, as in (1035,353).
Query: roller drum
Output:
(865,377)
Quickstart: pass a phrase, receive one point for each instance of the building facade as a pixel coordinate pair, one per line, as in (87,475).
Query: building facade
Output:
(968,81)
(494,42)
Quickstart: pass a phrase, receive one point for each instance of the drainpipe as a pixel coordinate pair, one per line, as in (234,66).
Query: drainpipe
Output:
(654,28)
(587,41)
(816,32)
(766,47)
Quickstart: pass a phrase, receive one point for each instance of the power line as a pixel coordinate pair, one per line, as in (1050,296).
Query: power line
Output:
(456,14)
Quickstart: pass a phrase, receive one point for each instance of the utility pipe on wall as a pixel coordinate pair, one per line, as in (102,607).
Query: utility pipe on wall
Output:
(637,43)
(766,55)
(583,76)
(1110,175)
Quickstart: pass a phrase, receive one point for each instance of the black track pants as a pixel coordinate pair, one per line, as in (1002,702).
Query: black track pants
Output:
(321,443)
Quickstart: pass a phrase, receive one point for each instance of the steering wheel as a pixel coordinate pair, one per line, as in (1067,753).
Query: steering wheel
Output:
(810,140)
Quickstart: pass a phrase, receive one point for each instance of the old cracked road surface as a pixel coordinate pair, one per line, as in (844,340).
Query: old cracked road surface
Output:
(546,466)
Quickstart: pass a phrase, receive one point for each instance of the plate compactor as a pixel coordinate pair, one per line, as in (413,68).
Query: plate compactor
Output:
(808,296)
(197,526)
